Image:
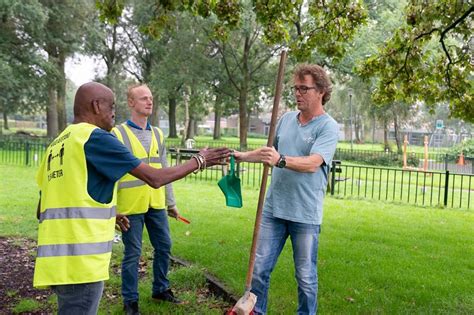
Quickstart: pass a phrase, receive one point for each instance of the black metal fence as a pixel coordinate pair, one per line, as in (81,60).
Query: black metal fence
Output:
(434,161)
(26,153)
(430,188)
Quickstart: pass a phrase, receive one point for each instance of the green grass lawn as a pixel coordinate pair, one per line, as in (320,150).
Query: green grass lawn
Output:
(375,257)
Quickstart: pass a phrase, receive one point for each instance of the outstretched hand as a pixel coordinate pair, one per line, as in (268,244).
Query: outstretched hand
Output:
(267,155)
(215,156)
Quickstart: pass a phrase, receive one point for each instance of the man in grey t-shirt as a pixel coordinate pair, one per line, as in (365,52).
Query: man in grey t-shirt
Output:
(143,205)
(304,145)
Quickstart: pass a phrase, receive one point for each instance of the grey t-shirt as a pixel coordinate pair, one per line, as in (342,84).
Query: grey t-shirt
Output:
(297,196)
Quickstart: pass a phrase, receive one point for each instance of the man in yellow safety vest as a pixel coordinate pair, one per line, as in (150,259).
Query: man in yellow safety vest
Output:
(142,204)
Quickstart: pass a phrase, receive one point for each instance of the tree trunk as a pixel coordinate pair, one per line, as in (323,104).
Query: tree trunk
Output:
(52,112)
(217,122)
(186,118)
(373,130)
(155,116)
(385,136)
(357,130)
(397,136)
(191,130)
(243,95)
(172,117)
(61,93)
(5,121)
(243,122)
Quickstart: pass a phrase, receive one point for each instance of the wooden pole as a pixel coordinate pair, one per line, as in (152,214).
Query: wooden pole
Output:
(263,185)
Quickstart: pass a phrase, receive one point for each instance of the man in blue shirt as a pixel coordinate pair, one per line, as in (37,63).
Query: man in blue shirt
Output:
(304,145)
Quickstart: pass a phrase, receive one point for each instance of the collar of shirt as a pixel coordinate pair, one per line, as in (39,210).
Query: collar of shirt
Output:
(312,119)
(132,124)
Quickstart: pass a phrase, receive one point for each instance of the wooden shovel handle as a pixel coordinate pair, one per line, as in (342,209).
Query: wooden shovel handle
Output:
(263,185)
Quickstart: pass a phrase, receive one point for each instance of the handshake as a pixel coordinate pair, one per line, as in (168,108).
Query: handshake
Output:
(210,157)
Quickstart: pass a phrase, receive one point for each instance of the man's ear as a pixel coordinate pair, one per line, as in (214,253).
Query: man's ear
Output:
(95,107)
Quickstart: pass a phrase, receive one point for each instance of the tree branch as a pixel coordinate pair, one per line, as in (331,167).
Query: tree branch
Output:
(443,44)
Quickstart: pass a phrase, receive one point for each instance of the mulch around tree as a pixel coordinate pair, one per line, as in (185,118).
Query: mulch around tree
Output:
(17,260)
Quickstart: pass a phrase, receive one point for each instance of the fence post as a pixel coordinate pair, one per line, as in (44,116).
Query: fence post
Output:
(27,153)
(446,184)
(333,177)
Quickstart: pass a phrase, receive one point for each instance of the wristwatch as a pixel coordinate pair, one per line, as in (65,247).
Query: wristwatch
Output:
(281,162)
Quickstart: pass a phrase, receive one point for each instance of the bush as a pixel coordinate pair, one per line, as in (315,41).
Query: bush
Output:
(467,147)
(256,135)
(229,132)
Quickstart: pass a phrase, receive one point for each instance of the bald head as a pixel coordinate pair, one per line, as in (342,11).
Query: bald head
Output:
(87,93)
(94,103)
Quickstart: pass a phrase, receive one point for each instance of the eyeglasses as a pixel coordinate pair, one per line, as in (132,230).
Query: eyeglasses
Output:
(302,89)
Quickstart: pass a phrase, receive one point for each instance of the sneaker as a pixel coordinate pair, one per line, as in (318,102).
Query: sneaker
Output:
(131,308)
(167,296)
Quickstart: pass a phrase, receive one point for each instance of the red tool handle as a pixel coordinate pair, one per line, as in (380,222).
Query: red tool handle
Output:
(184,220)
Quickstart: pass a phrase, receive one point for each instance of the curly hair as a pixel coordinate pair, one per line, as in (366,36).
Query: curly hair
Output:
(320,77)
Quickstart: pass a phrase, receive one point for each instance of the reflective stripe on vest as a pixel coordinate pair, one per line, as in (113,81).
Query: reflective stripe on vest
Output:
(77,213)
(125,138)
(134,195)
(131,184)
(74,249)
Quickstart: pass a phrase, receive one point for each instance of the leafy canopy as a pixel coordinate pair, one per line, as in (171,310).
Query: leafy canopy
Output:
(300,26)
(428,58)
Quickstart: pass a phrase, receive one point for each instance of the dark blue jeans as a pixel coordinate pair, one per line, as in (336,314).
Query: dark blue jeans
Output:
(272,238)
(156,222)
(79,299)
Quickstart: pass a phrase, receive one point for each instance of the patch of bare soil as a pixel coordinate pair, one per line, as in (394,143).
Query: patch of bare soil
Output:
(17,258)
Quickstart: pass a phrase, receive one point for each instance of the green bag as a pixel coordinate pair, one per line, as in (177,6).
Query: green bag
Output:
(230,186)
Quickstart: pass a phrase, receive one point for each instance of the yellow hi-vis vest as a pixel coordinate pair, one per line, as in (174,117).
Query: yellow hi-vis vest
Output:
(134,196)
(75,232)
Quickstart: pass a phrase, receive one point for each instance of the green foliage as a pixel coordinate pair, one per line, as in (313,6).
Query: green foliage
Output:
(467,148)
(428,58)
(378,159)
(227,14)
(110,10)
(323,25)
(22,67)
